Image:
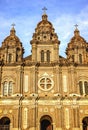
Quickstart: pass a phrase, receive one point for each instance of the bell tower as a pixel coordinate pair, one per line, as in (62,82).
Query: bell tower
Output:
(11,49)
(77,49)
(45,43)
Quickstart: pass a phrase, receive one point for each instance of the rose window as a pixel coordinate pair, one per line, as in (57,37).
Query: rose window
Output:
(45,83)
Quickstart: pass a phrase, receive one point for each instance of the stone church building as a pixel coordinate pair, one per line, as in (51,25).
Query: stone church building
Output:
(44,91)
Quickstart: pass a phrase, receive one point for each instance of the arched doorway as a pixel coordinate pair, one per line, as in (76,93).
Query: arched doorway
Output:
(46,123)
(4,123)
(85,123)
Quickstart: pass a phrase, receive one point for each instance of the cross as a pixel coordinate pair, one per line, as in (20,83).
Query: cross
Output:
(76,26)
(13,25)
(44,9)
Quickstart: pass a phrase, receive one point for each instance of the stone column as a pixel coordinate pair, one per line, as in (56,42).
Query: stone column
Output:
(56,50)
(81,126)
(76,88)
(67,121)
(18,79)
(65,87)
(6,55)
(38,126)
(54,126)
(58,117)
(60,79)
(25,118)
(76,55)
(71,79)
(76,117)
(34,52)
(0,79)
(56,79)
(10,126)
(34,79)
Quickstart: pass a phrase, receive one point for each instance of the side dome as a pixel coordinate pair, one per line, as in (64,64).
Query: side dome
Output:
(77,37)
(11,50)
(12,39)
(77,49)
(76,41)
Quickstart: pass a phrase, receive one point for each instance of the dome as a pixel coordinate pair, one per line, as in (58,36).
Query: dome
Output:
(44,23)
(76,42)
(12,39)
(45,31)
(44,26)
(77,37)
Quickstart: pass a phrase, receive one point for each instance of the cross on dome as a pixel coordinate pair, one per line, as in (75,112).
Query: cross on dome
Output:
(12,31)
(76,32)
(44,9)
(76,25)
(13,25)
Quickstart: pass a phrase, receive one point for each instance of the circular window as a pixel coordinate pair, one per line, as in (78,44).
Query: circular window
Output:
(45,83)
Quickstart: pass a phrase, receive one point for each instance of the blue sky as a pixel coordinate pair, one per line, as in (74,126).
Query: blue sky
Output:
(63,14)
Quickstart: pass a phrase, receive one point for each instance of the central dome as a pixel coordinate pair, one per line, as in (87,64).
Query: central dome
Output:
(45,31)
(44,22)
(44,25)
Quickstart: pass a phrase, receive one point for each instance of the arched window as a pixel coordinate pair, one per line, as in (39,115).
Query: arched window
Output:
(42,56)
(4,123)
(86,87)
(48,56)
(9,58)
(83,87)
(80,58)
(46,123)
(73,58)
(7,88)
(16,57)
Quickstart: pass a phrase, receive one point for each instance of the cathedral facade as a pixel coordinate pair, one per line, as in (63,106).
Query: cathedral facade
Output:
(44,91)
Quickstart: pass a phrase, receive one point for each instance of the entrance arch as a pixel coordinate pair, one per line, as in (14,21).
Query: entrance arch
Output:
(46,123)
(85,123)
(4,123)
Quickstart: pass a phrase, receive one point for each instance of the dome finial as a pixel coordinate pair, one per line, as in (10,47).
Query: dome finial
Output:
(12,25)
(44,16)
(76,32)
(12,31)
(76,26)
(44,9)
